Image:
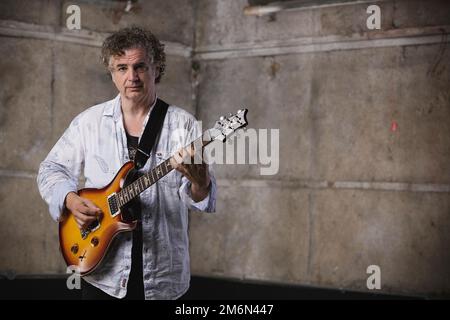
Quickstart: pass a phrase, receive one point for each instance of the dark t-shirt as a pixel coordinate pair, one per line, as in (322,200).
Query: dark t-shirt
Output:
(135,288)
(132,143)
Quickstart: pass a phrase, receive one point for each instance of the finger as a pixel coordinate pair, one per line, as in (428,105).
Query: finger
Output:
(179,156)
(92,208)
(87,211)
(190,151)
(84,218)
(185,155)
(82,223)
(174,162)
(182,168)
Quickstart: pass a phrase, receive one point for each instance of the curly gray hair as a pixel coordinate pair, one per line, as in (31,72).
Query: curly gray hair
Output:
(135,37)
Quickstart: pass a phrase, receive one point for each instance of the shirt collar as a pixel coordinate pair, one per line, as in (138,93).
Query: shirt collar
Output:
(113,109)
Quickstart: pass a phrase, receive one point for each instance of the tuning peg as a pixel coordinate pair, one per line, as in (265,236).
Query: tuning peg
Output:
(222,118)
(239,111)
(230,114)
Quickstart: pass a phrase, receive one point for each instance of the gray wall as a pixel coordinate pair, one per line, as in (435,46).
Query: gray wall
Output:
(350,192)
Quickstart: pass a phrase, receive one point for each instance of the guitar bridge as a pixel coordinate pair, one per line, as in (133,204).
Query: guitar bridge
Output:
(91,228)
(113,205)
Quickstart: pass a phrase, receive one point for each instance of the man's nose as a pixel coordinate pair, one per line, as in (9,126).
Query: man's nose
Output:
(132,75)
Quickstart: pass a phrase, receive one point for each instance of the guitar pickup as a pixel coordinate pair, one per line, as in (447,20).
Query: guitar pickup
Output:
(113,205)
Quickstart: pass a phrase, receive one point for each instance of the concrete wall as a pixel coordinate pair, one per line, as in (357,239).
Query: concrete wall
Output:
(352,189)
(49,75)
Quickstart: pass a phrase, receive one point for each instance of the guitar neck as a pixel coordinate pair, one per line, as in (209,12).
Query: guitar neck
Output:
(149,178)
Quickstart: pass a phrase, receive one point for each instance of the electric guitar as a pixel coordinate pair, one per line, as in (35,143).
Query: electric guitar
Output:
(84,249)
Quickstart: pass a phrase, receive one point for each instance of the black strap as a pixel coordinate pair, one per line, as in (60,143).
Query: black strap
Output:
(151,131)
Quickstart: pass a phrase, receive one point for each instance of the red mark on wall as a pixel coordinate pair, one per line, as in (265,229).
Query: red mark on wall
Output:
(394,126)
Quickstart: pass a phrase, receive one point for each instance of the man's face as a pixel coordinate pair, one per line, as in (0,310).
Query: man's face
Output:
(134,76)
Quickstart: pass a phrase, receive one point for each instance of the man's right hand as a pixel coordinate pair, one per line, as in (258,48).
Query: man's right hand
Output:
(84,211)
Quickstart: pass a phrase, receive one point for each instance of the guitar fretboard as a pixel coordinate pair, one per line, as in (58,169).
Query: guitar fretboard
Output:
(145,181)
(135,188)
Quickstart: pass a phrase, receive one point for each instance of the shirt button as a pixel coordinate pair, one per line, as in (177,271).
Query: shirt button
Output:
(147,276)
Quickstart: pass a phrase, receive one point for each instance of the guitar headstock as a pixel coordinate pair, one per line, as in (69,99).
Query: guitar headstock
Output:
(225,126)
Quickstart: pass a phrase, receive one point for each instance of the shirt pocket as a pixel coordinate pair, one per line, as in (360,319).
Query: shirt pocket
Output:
(173,178)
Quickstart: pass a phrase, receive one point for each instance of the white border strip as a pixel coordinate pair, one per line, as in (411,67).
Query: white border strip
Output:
(17,174)
(301,5)
(376,39)
(295,184)
(84,37)
(360,185)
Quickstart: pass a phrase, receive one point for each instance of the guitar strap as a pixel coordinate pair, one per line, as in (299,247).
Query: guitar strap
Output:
(151,132)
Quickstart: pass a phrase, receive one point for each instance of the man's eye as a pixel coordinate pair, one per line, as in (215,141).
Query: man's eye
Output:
(142,68)
(121,69)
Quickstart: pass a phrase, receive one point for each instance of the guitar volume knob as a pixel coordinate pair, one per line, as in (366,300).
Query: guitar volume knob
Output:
(74,248)
(94,241)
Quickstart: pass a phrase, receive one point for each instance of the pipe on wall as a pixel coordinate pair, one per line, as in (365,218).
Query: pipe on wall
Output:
(274,7)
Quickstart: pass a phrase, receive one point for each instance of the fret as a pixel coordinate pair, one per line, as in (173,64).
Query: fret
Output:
(153,178)
(125,194)
(146,180)
(141,184)
(137,186)
(168,167)
(118,199)
(131,192)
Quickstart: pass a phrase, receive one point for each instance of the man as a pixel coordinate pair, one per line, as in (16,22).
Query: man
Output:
(152,262)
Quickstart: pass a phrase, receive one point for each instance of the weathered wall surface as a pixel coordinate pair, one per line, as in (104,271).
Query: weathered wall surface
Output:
(48,76)
(364,172)
(364,145)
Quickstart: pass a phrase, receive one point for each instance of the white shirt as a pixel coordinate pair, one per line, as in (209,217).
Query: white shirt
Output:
(96,143)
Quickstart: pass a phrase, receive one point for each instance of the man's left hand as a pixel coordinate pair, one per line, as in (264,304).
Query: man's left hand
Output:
(198,174)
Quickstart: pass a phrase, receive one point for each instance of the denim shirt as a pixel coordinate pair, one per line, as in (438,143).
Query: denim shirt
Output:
(96,143)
